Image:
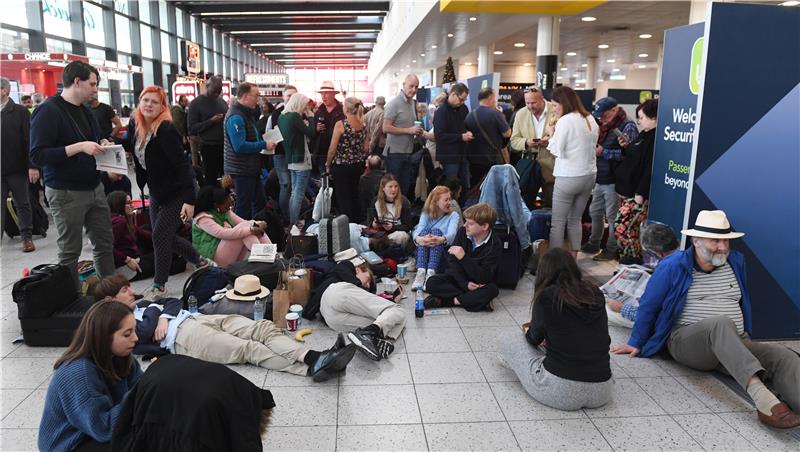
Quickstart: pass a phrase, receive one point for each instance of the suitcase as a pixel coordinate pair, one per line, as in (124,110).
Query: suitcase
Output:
(267,273)
(539,226)
(334,233)
(510,257)
(39,218)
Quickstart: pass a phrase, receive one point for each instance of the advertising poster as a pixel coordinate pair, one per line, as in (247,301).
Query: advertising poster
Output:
(746,155)
(677,113)
(193,65)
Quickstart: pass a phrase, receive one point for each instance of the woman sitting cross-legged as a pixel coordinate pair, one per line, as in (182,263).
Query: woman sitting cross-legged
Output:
(163,327)
(91,381)
(218,233)
(562,360)
(391,211)
(436,229)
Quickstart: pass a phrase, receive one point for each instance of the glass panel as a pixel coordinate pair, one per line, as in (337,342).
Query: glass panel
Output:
(193,25)
(144,12)
(147,40)
(163,21)
(127,98)
(58,46)
(13,41)
(92,52)
(121,6)
(104,96)
(15,13)
(147,67)
(166,55)
(93,24)
(165,71)
(179,22)
(56,18)
(123,28)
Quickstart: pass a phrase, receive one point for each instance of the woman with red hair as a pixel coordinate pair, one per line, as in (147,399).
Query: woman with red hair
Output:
(161,164)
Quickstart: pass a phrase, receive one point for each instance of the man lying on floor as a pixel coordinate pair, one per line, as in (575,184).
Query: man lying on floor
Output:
(373,322)
(163,327)
(696,306)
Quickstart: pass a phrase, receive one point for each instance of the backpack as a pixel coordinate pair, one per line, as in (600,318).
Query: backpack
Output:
(203,283)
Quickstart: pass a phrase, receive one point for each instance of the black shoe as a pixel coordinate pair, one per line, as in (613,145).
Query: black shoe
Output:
(385,347)
(331,362)
(489,307)
(605,256)
(340,342)
(432,302)
(590,248)
(367,342)
(627,260)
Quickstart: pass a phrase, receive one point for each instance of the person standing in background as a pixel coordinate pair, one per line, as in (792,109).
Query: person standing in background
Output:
(346,156)
(451,134)
(106,117)
(326,116)
(179,116)
(374,121)
(279,159)
(489,127)
(400,128)
(204,119)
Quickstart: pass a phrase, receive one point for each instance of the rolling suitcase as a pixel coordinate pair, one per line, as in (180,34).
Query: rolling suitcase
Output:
(539,226)
(511,257)
(334,232)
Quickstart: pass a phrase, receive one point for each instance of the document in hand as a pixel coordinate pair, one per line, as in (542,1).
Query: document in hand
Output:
(273,135)
(112,160)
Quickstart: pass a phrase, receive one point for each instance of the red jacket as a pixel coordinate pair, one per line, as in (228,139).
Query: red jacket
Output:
(125,243)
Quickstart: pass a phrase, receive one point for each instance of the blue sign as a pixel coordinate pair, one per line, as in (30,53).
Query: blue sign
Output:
(746,157)
(677,113)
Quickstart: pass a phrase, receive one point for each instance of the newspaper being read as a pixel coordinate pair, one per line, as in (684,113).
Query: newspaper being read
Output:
(627,285)
(112,160)
(273,135)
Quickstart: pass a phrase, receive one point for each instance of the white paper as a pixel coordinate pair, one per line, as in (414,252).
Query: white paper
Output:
(112,160)
(626,286)
(273,135)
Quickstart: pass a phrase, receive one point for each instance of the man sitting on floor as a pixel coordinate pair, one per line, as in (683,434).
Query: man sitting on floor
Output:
(472,263)
(697,306)
(374,322)
(163,327)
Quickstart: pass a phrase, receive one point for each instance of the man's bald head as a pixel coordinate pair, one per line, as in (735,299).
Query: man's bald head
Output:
(374,162)
(410,85)
(214,87)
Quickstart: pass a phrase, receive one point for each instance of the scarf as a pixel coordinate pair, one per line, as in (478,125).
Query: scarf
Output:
(611,125)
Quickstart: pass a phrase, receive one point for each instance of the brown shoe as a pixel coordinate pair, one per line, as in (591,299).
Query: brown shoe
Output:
(782,417)
(27,246)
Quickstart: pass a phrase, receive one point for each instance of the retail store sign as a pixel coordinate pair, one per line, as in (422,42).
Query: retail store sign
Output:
(227,89)
(184,88)
(266,79)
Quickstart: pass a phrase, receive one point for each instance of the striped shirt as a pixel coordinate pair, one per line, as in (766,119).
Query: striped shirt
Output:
(713,294)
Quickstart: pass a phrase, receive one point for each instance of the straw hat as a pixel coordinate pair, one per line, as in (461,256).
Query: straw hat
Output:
(327,87)
(247,288)
(712,224)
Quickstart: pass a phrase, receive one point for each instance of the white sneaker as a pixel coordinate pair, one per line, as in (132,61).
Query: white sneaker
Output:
(411,265)
(419,280)
(428,274)
(154,293)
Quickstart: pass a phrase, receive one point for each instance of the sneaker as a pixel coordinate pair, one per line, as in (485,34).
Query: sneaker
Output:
(428,275)
(419,280)
(367,342)
(432,302)
(605,255)
(204,262)
(385,347)
(155,293)
(590,248)
(331,362)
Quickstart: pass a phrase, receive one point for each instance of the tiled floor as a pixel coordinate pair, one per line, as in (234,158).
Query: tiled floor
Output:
(442,389)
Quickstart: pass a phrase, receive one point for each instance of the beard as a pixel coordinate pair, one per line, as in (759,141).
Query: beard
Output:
(715,259)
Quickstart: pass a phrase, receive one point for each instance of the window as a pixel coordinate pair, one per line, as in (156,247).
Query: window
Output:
(92,52)
(121,6)
(163,20)
(144,12)
(165,71)
(57,18)
(179,23)
(93,25)
(123,28)
(193,25)
(15,13)
(58,46)
(147,40)
(14,41)
(166,55)
(147,67)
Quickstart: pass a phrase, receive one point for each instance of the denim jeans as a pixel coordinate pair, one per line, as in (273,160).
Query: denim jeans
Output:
(250,197)
(458,171)
(605,204)
(400,166)
(299,184)
(285,181)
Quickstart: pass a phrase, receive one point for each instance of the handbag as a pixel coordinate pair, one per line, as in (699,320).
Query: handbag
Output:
(502,154)
(301,244)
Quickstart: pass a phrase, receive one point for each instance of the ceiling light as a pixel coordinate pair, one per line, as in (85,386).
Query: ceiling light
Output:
(559,78)
(588,19)
(611,61)
(571,53)
(498,52)
(599,80)
(564,68)
(413,61)
(584,65)
(422,54)
(527,64)
(642,66)
(408,65)
(473,19)
(304,31)
(646,36)
(467,63)
(449,35)
(318,52)
(791,3)
(615,70)
(519,44)
(434,46)
(602,46)
(291,13)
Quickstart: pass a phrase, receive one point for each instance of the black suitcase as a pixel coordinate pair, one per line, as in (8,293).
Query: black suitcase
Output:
(267,273)
(58,329)
(511,259)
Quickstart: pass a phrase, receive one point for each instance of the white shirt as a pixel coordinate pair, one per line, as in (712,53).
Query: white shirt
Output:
(538,124)
(573,145)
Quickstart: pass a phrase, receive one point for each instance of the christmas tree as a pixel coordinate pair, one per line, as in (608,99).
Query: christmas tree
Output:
(449,74)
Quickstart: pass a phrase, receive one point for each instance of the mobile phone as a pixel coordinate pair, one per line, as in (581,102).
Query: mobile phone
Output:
(616,132)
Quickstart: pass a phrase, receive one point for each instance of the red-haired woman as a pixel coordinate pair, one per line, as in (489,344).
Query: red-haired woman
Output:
(161,164)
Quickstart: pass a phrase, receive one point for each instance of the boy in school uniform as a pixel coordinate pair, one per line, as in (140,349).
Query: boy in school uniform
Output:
(472,259)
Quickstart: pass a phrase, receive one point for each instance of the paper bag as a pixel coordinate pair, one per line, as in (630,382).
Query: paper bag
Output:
(299,287)
(280,305)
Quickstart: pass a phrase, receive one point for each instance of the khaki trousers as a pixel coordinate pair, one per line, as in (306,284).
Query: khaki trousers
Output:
(233,339)
(346,307)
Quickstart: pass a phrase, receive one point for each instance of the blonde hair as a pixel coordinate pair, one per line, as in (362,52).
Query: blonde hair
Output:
(481,213)
(298,103)
(439,99)
(398,201)
(354,106)
(165,115)
(431,208)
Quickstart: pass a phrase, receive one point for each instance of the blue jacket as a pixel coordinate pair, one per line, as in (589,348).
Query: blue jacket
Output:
(663,299)
(501,190)
(448,224)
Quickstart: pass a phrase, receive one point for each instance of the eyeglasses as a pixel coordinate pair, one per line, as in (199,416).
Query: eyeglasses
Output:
(129,202)
(532,89)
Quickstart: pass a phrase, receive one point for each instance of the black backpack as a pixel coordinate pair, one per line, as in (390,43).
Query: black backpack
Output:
(203,283)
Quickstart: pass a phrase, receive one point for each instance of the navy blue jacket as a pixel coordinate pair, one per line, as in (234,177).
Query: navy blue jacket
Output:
(448,126)
(147,326)
(52,130)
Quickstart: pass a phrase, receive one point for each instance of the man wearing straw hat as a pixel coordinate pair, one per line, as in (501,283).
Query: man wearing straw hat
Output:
(328,113)
(697,306)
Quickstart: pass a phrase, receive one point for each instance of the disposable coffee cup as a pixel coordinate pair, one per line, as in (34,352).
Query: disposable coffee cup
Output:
(300,272)
(418,123)
(291,321)
(401,270)
(297,309)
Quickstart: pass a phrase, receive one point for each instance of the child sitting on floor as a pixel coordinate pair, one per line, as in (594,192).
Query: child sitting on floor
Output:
(436,229)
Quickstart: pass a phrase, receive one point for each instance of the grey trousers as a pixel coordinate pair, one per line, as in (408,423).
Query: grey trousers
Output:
(714,343)
(605,204)
(569,199)
(546,388)
(17,184)
(74,210)
(346,307)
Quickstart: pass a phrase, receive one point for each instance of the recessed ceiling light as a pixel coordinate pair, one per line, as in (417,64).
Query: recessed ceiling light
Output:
(413,61)
(642,66)
(559,78)
(467,63)
(646,36)
(519,44)
(588,19)
(643,55)
(434,46)
(791,3)
(422,54)
(615,70)
(473,19)
(449,35)
(564,68)
(599,80)
(602,46)
(408,65)
(584,65)
(611,61)
(571,53)
(498,52)
(527,65)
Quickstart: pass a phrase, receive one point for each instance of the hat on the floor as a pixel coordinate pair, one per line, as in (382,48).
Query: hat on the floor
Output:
(247,288)
(327,87)
(349,254)
(712,224)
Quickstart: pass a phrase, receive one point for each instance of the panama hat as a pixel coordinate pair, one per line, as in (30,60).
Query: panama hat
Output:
(327,87)
(247,288)
(712,224)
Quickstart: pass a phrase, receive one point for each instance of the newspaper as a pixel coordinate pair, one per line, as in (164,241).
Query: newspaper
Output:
(263,252)
(273,135)
(627,285)
(112,160)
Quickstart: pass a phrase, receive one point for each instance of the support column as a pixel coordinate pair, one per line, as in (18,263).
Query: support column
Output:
(547,47)
(485,59)
(698,8)
(659,63)
(591,72)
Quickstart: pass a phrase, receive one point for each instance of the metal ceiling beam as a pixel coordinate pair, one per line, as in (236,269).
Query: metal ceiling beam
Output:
(225,21)
(300,7)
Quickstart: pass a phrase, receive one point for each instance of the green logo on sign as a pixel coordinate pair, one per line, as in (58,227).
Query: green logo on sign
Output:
(484,84)
(696,66)
(645,95)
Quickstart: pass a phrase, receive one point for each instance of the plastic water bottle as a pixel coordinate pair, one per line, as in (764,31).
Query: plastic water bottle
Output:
(419,306)
(258,309)
(192,304)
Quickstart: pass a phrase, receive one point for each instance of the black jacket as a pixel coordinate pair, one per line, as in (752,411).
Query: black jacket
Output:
(404,223)
(342,272)
(577,338)
(198,119)
(329,118)
(14,139)
(368,185)
(147,326)
(633,175)
(448,126)
(169,172)
(479,265)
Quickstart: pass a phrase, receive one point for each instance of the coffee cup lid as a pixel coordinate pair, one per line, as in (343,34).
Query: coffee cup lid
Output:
(292,316)
(296,307)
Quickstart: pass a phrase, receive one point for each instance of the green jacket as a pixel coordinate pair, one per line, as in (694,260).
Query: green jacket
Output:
(205,243)
(179,118)
(294,132)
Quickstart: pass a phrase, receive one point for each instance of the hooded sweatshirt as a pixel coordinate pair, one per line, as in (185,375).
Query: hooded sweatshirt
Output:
(577,337)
